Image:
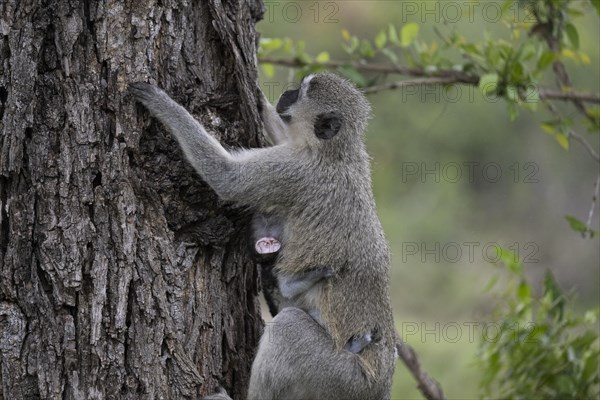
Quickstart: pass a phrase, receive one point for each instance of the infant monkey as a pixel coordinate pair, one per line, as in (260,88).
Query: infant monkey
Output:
(333,336)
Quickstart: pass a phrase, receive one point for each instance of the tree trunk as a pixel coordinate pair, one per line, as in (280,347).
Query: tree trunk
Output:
(121,273)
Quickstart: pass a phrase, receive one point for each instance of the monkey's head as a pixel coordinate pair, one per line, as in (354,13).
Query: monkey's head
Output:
(325,109)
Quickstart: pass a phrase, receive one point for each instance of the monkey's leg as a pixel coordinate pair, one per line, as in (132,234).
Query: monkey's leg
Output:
(297,359)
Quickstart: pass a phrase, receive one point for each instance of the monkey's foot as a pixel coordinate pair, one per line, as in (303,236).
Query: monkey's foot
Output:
(267,245)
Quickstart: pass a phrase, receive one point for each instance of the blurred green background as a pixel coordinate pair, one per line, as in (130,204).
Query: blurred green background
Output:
(437,157)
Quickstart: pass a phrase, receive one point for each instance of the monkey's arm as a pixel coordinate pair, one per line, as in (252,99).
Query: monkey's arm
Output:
(204,152)
(275,128)
(237,176)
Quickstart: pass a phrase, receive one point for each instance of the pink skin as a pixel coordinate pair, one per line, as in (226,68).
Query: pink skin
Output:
(267,245)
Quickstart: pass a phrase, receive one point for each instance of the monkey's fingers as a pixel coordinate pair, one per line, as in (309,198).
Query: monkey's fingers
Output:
(143,92)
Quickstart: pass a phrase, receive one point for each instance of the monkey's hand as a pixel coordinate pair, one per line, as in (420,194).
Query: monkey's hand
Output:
(149,95)
(275,129)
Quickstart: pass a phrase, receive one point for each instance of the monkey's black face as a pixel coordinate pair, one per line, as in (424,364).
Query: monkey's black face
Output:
(286,100)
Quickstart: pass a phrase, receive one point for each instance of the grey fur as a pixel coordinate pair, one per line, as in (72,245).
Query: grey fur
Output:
(321,190)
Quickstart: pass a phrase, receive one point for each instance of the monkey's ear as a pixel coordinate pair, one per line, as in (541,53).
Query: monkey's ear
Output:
(328,124)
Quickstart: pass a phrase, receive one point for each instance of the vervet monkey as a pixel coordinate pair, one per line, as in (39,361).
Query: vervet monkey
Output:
(333,337)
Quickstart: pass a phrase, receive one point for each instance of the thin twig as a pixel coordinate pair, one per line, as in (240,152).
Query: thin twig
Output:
(442,76)
(554,94)
(585,144)
(576,136)
(428,386)
(593,207)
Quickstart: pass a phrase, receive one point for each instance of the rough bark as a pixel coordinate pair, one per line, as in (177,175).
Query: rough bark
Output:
(121,273)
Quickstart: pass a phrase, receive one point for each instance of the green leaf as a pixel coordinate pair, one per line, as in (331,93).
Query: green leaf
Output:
(576,224)
(510,259)
(562,140)
(366,50)
(549,127)
(508,5)
(596,4)
(584,58)
(532,97)
(552,290)
(572,35)
(488,83)
(268,70)
(494,56)
(590,367)
(390,54)
(322,57)
(288,46)
(346,35)
(512,93)
(584,341)
(268,44)
(566,52)
(551,286)
(491,283)
(513,111)
(471,49)
(408,34)
(545,60)
(573,12)
(352,74)
(528,52)
(352,46)
(380,40)
(393,35)
(524,292)
(593,123)
(517,72)
(590,317)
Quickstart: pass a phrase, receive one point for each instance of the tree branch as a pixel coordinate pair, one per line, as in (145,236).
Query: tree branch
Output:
(459,76)
(546,30)
(427,385)
(554,94)
(409,82)
(440,77)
